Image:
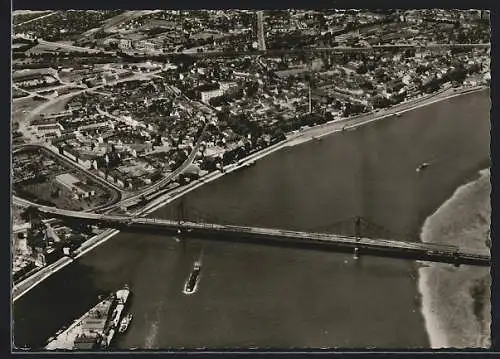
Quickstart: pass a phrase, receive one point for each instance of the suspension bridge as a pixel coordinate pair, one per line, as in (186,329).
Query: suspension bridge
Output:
(355,235)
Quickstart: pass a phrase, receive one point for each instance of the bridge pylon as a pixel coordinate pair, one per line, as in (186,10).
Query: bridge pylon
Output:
(357,228)
(356,253)
(456,257)
(181,217)
(357,235)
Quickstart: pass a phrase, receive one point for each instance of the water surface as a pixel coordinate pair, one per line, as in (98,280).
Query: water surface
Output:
(261,296)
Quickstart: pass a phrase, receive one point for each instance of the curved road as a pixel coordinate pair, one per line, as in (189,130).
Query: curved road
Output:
(71,163)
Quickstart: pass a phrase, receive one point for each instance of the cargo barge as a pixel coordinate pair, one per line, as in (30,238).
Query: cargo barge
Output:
(96,329)
(191,284)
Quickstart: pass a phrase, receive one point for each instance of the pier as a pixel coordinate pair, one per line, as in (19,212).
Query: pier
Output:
(95,329)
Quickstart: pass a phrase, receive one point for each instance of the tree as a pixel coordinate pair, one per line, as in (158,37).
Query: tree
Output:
(362,69)
(380,74)
(381,102)
(30,213)
(432,86)
(353,108)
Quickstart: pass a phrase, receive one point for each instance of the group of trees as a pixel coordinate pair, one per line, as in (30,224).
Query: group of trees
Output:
(291,40)
(354,108)
(65,24)
(66,59)
(456,76)
(242,125)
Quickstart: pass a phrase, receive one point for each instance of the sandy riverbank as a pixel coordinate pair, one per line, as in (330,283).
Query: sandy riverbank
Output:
(456,301)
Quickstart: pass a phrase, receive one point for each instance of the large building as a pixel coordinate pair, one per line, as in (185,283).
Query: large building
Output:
(223,87)
(74,185)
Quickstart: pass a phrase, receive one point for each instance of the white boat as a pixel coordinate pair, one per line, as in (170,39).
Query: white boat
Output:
(124,324)
(123,294)
(422,167)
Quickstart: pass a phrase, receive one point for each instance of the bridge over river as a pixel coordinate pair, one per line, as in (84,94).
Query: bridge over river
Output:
(355,242)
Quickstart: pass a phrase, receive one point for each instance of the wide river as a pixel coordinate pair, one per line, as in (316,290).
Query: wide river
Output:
(260,296)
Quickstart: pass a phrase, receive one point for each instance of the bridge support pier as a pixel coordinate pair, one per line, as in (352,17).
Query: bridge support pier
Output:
(356,253)
(456,257)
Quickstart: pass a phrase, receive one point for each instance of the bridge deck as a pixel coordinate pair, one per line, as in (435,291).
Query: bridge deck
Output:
(374,246)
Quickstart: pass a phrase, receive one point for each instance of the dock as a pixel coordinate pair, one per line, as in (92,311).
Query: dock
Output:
(96,328)
(82,327)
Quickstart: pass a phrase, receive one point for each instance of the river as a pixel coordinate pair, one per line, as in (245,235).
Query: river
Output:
(258,296)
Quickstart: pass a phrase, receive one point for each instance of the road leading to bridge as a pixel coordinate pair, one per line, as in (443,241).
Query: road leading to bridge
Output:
(136,198)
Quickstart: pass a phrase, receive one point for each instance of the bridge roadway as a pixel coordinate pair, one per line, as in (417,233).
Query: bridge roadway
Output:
(269,236)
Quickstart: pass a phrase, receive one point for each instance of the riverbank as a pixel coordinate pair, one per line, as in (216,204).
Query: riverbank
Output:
(313,133)
(331,127)
(26,285)
(293,140)
(310,188)
(456,301)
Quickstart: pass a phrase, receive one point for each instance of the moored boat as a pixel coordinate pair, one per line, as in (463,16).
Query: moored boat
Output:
(124,324)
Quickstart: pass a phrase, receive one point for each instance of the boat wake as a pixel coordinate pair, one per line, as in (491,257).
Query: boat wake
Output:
(151,337)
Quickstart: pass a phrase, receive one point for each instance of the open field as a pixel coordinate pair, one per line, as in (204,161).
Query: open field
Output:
(22,107)
(58,106)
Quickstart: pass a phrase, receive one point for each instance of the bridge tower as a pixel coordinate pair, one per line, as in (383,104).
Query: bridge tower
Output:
(180,212)
(357,235)
(357,228)
(181,217)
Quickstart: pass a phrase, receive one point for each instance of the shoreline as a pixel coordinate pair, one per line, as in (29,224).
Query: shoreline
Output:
(433,279)
(301,137)
(308,135)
